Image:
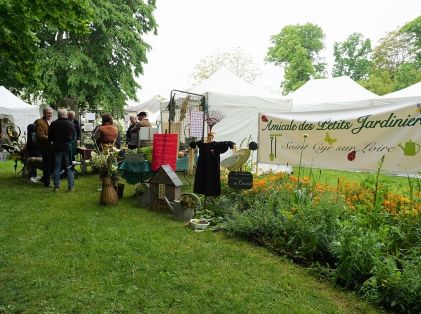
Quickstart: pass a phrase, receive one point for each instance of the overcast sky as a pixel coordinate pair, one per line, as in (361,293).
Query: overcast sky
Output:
(192,29)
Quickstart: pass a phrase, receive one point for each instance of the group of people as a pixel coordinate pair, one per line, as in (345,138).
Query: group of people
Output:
(137,122)
(107,132)
(56,142)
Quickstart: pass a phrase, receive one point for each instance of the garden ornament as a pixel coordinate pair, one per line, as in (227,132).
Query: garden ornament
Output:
(184,208)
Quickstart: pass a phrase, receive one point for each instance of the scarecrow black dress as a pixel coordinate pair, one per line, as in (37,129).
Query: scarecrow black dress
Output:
(207,180)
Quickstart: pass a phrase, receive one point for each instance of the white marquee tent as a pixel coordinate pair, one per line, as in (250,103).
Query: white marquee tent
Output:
(151,106)
(240,102)
(331,94)
(16,110)
(409,94)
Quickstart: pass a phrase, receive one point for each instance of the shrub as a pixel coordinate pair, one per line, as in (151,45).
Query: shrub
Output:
(363,236)
(313,228)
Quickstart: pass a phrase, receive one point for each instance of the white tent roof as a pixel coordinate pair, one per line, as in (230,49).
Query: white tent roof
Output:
(240,102)
(152,105)
(410,91)
(16,110)
(331,94)
(225,82)
(411,94)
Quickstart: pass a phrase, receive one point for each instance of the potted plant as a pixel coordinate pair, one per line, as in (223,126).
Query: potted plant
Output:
(142,194)
(105,163)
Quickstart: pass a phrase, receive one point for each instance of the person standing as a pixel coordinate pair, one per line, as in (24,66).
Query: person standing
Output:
(106,133)
(133,120)
(76,141)
(43,145)
(31,151)
(62,132)
(142,123)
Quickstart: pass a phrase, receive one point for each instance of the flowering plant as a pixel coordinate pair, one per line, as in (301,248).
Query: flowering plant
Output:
(106,162)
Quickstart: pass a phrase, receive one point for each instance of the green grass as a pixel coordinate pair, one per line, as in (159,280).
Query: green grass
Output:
(396,183)
(63,252)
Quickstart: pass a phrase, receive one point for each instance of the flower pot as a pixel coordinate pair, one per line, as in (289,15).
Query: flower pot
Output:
(199,224)
(143,199)
(108,193)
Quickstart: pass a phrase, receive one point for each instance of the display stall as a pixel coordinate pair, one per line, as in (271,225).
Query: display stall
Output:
(15,111)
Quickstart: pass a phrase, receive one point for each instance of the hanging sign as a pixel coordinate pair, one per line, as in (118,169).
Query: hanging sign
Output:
(240,180)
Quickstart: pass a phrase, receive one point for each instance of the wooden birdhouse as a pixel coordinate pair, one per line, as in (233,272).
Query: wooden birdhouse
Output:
(165,182)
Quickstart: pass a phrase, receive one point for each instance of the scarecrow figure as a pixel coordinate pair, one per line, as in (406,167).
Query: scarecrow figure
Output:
(207,179)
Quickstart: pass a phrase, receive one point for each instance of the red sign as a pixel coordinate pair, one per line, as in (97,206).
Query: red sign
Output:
(164,152)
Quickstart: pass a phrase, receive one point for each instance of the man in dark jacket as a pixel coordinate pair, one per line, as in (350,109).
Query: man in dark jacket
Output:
(76,142)
(61,133)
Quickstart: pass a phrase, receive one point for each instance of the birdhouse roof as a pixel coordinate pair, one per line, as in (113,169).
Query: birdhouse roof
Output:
(165,175)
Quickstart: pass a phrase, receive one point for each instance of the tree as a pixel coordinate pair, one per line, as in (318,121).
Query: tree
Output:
(379,82)
(352,57)
(20,22)
(406,75)
(392,51)
(237,61)
(413,29)
(98,69)
(296,48)
(393,64)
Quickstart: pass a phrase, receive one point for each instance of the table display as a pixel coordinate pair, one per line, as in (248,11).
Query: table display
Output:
(140,171)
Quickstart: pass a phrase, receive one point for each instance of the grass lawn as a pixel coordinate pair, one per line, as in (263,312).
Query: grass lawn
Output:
(63,252)
(397,184)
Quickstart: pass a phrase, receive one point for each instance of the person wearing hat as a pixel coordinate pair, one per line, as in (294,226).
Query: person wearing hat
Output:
(142,122)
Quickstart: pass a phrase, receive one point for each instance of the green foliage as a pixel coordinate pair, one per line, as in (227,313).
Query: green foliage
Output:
(352,57)
(366,248)
(394,49)
(407,74)
(379,82)
(21,23)
(74,54)
(394,63)
(413,29)
(96,70)
(396,60)
(296,48)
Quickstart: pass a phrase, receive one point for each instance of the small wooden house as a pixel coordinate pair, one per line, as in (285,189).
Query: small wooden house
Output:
(165,182)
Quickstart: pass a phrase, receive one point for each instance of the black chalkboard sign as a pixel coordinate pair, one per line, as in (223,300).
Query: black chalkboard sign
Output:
(240,180)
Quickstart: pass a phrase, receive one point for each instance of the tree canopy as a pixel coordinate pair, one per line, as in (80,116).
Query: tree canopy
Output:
(92,62)
(296,48)
(352,57)
(237,61)
(21,22)
(394,64)
(413,29)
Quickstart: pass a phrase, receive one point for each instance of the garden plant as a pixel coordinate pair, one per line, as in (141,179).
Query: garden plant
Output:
(364,236)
